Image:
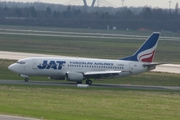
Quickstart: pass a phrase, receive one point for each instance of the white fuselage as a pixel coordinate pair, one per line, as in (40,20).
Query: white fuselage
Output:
(55,67)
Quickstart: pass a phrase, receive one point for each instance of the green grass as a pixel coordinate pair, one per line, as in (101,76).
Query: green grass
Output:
(67,103)
(167,51)
(61,46)
(62,103)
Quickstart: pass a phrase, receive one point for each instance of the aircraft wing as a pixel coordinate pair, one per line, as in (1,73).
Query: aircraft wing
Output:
(101,74)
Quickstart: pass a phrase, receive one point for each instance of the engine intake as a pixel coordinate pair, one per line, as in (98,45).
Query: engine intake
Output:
(74,76)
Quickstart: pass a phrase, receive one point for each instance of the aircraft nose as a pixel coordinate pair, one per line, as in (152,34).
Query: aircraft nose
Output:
(12,67)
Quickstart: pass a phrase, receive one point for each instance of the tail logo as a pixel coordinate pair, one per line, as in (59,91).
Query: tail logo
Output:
(147,55)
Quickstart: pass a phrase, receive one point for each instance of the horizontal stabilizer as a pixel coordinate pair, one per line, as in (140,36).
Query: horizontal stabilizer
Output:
(152,66)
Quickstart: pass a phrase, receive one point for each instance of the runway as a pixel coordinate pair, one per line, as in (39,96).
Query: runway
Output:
(169,68)
(94,85)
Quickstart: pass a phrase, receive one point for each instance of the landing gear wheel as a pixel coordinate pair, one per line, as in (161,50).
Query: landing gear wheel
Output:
(79,82)
(89,82)
(26,79)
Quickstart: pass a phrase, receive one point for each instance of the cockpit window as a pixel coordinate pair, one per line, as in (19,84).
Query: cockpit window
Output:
(20,62)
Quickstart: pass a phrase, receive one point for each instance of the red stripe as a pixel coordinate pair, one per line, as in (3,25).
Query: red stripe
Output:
(148,59)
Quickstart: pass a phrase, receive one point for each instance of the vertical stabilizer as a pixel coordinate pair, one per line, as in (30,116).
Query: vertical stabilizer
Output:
(147,51)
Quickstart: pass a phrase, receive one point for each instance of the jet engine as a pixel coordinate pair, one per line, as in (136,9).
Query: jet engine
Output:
(74,76)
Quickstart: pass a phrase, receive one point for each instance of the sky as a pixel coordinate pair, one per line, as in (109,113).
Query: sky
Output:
(118,3)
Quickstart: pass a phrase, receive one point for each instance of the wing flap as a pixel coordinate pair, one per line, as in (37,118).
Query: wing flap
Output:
(102,72)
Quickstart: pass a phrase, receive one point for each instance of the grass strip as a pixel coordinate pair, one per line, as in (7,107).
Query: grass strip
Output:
(63,103)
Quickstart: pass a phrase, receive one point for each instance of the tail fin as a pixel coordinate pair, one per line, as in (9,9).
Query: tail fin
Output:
(147,51)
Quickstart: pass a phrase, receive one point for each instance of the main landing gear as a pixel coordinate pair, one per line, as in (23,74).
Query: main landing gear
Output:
(89,82)
(26,79)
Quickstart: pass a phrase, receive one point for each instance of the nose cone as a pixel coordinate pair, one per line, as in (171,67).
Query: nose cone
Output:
(13,67)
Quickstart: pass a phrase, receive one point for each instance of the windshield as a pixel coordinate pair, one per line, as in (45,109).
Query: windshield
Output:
(20,62)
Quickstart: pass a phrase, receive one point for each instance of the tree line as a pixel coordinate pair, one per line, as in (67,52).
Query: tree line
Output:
(76,17)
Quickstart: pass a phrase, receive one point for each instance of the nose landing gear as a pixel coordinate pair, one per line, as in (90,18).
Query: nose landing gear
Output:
(26,79)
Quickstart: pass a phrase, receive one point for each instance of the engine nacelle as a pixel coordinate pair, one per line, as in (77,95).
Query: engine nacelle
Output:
(74,76)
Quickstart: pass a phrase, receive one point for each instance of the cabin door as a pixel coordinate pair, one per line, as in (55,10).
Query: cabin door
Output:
(34,64)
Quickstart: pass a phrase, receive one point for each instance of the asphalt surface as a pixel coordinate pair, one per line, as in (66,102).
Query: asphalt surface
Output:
(94,85)
(169,68)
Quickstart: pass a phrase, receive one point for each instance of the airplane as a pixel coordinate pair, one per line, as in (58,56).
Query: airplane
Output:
(79,69)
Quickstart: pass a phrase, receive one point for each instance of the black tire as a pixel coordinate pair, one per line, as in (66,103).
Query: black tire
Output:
(89,82)
(26,79)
